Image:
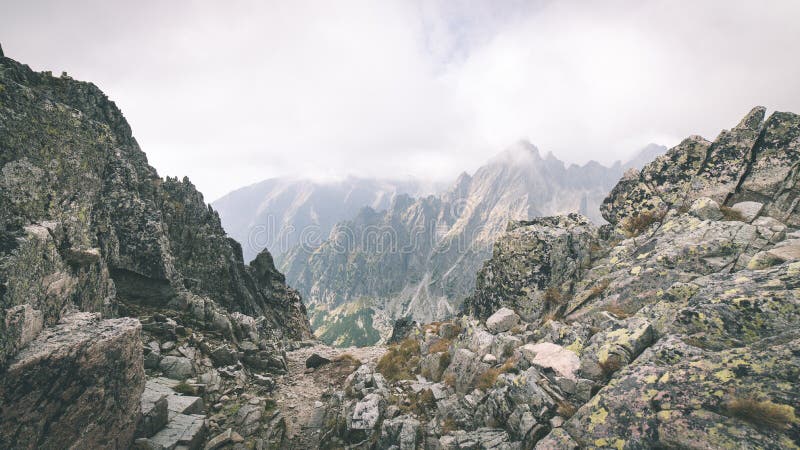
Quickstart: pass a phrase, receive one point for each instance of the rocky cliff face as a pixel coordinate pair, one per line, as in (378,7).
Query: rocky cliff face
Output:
(87,225)
(674,326)
(419,257)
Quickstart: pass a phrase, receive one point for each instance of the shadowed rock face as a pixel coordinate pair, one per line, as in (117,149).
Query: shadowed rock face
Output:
(77,384)
(71,165)
(674,326)
(87,225)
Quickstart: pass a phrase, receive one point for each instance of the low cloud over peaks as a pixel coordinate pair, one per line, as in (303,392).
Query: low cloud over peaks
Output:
(233,93)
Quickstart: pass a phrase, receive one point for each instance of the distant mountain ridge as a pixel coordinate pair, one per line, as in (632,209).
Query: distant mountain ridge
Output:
(419,257)
(277,213)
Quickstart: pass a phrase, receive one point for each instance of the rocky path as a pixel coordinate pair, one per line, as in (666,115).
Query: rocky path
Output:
(299,392)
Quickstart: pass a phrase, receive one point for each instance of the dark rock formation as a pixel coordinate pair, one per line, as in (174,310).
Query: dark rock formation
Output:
(402,328)
(87,225)
(534,266)
(316,360)
(77,385)
(69,158)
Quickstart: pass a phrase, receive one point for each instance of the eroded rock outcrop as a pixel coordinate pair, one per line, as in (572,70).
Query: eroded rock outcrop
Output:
(673,327)
(88,230)
(77,385)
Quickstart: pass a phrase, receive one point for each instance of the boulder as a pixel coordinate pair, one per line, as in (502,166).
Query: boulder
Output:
(546,355)
(676,395)
(77,385)
(220,440)
(748,210)
(368,412)
(612,349)
(558,439)
(176,367)
(502,320)
(224,355)
(531,263)
(154,412)
(182,431)
(464,369)
(316,360)
(705,208)
(403,327)
(400,433)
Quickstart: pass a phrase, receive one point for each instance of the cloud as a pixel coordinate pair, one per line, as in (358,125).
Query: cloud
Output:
(232,93)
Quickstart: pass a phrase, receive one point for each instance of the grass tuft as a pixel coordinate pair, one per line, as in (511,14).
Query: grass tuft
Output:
(442,345)
(638,224)
(566,409)
(400,361)
(612,364)
(488,378)
(765,414)
(347,358)
(185,388)
(731,214)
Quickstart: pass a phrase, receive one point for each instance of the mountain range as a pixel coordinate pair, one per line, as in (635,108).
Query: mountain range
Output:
(401,255)
(129,319)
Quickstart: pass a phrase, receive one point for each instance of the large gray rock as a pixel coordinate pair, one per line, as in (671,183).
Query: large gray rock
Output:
(533,265)
(705,208)
(748,210)
(154,412)
(176,367)
(545,355)
(400,432)
(368,412)
(502,320)
(182,432)
(77,385)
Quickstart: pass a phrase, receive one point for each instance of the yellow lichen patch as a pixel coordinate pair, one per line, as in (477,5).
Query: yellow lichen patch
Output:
(651,379)
(664,416)
(636,270)
(576,347)
(701,364)
(794,268)
(619,444)
(649,394)
(664,378)
(597,418)
(724,375)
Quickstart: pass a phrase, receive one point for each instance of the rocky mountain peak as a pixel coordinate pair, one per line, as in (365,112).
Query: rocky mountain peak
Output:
(521,153)
(90,233)
(754,119)
(673,326)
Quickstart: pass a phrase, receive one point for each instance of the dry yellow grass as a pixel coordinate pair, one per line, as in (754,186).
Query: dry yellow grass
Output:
(763,413)
(636,225)
(442,345)
(400,361)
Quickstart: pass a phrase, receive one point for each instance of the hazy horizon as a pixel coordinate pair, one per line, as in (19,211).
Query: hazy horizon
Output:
(232,94)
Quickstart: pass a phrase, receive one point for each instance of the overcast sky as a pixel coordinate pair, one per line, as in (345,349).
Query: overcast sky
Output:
(233,92)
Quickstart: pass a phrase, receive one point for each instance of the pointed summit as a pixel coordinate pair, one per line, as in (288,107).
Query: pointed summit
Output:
(753,119)
(520,152)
